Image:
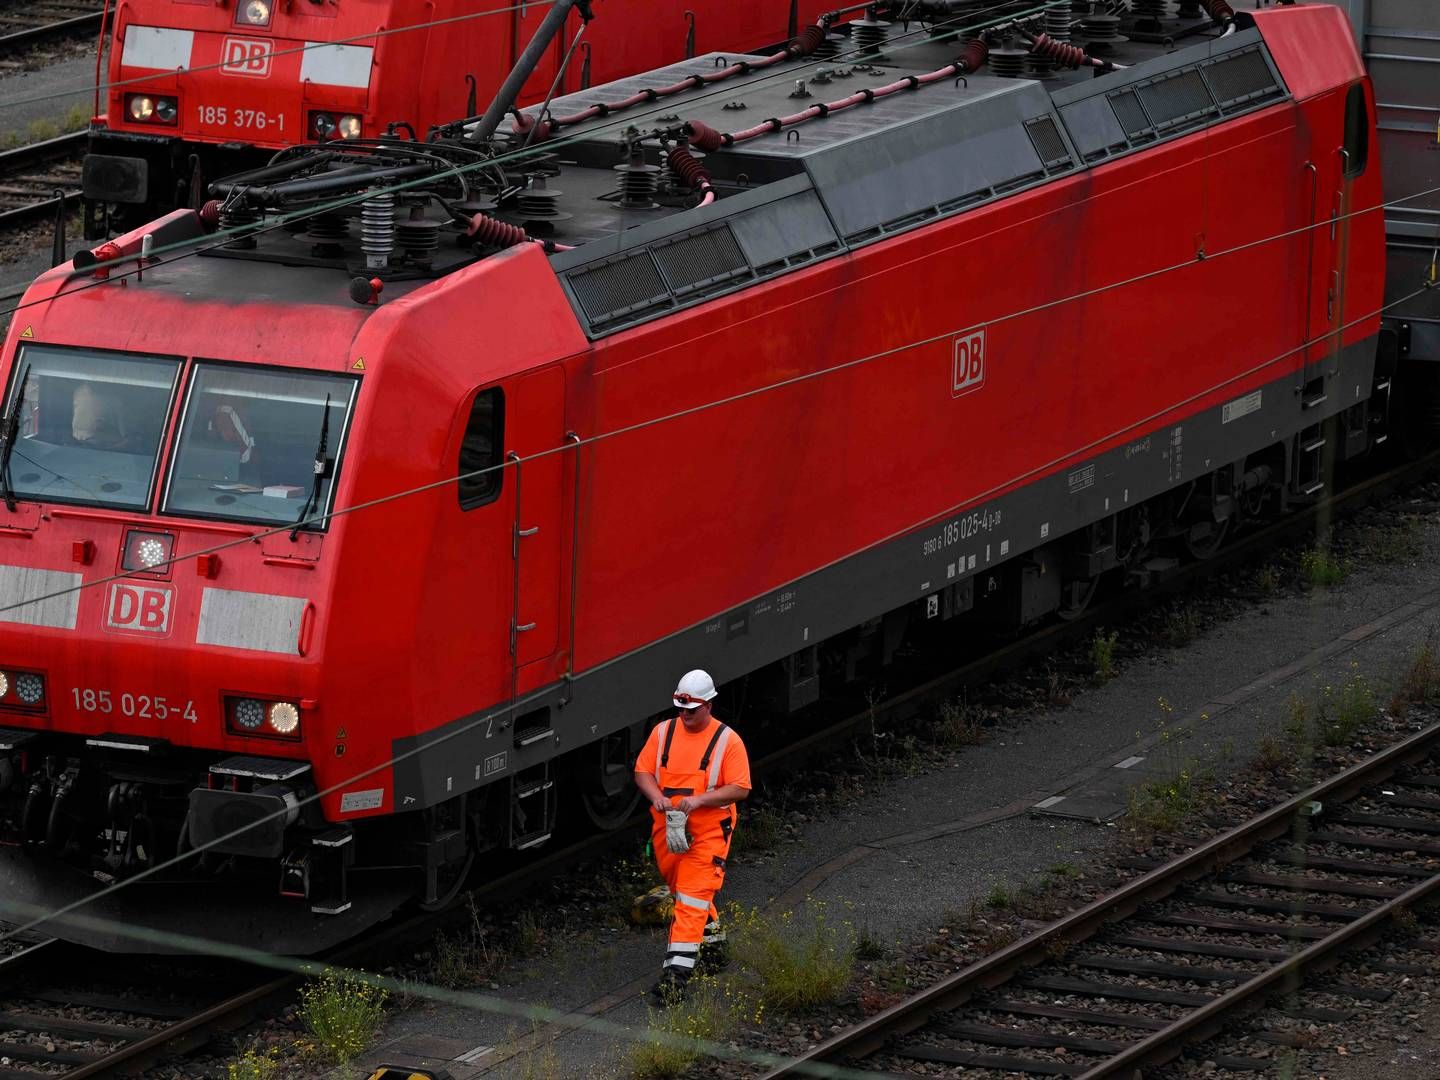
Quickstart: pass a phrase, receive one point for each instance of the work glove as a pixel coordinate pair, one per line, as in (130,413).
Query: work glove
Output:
(676,838)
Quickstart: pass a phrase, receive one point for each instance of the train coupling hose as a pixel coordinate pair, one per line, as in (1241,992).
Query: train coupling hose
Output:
(676,838)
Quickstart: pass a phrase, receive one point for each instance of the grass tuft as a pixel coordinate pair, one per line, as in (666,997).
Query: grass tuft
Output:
(959,724)
(708,1013)
(1322,567)
(344,1011)
(1102,654)
(1419,683)
(254,1064)
(799,959)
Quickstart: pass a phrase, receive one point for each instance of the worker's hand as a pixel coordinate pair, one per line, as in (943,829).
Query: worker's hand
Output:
(689,804)
(661,804)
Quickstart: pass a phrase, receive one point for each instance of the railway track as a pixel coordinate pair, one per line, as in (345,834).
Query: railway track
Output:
(1171,958)
(37,178)
(24,23)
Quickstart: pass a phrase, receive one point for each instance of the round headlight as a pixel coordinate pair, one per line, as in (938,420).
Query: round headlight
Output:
(249,714)
(322,124)
(349,127)
(4,684)
(151,552)
(284,717)
(29,688)
(165,109)
(257,13)
(142,107)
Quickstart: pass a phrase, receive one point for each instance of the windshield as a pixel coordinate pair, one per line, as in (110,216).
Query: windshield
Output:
(90,424)
(248,440)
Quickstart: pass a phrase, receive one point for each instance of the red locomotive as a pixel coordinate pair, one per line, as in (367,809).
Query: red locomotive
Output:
(342,538)
(198,88)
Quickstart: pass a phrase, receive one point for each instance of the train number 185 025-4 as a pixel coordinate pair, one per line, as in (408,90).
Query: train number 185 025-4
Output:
(140,706)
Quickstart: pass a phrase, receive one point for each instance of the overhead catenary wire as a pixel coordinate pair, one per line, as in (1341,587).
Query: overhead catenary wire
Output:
(514,706)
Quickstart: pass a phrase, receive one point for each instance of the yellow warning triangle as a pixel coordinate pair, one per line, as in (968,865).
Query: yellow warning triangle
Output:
(28,332)
(359,364)
(340,733)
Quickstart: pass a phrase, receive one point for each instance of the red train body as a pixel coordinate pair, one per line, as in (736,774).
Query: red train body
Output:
(959,351)
(196,89)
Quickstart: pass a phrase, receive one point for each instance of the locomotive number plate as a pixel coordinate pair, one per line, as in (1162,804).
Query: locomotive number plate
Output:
(137,706)
(240,119)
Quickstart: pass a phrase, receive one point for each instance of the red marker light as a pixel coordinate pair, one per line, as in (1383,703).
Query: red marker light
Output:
(207,566)
(83,551)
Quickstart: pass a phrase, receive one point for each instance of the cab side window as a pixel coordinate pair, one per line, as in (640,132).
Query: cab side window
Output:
(481,450)
(1357,132)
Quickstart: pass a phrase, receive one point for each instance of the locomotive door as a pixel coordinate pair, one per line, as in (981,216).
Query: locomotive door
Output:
(1329,178)
(535,424)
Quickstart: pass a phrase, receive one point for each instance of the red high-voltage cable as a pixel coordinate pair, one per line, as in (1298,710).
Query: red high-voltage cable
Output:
(707,138)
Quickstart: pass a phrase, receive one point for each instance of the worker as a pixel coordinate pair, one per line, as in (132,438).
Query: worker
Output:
(693,770)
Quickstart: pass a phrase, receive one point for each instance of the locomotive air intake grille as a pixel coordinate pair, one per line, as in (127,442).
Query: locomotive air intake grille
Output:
(1242,79)
(708,258)
(1179,101)
(1048,143)
(625,286)
(1131,115)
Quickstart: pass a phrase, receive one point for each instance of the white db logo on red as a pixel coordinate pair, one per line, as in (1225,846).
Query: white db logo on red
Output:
(141,608)
(245,56)
(969,362)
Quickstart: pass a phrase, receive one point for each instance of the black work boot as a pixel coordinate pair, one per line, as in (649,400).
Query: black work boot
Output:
(714,950)
(669,989)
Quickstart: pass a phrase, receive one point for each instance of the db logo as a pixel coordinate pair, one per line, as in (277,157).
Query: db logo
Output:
(245,56)
(969,371)
(142,608)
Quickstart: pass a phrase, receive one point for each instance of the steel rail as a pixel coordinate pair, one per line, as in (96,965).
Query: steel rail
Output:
(61,148)
(24,39)
(999,967)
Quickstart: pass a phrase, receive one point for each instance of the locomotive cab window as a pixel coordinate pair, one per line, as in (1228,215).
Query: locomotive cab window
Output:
(88,424)
(258,444)
(481,449)
(1357,132)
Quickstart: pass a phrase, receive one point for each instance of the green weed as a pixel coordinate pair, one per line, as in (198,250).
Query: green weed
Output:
(1272,755)
(959,724)
(1420,681)
(254,1064)
(344,1011)
(1102,654)
(42,129)
(799,959)
(1322,568)
(709,1012)
(1342,713)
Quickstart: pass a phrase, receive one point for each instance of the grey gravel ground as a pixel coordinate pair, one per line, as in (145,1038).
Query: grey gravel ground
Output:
(57,86)
(864,859)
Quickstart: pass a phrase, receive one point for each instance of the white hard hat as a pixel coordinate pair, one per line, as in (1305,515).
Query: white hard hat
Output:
(695,688)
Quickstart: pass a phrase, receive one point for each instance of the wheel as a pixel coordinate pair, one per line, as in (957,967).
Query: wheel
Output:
(608,792)
(1205,538)
(1075,597)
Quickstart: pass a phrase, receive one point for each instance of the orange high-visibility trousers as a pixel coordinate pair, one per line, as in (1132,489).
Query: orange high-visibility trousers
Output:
(694,878)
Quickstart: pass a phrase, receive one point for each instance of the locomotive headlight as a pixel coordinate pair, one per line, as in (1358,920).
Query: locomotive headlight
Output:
(29,688)
(144,551)
(349,127)
(284,717)
(4,685)
(248,714)
(147,109)
(253,13)
(322,125)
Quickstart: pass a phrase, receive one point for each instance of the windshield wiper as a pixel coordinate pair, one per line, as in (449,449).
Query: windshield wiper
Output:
(8,436)
(322,464)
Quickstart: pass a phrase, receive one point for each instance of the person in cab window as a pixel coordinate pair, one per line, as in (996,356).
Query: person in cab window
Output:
(693,770)
(95,418)
(226,427)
